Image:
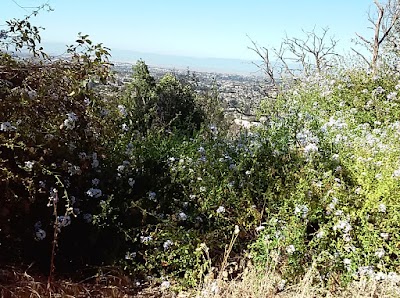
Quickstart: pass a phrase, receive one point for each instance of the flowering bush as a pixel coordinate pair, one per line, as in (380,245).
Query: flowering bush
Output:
(342,216)
(152,177)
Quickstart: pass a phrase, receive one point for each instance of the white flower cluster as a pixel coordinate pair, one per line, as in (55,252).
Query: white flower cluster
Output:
(6,126)
(63,221)
(307,141)
(145,239)
(40,234)
(301,209)
(94,192)
(167,244)
(70,122)
(95,161)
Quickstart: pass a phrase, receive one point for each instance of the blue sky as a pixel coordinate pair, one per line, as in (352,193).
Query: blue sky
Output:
(199,28)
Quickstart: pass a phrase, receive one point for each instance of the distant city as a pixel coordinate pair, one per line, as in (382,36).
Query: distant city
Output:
(240,93)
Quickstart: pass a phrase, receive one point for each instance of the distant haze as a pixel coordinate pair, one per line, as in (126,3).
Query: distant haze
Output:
(219,65)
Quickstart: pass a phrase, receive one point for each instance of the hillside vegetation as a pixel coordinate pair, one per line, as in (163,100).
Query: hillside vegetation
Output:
(152,180)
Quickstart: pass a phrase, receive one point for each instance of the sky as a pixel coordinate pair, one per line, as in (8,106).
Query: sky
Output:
(196,28)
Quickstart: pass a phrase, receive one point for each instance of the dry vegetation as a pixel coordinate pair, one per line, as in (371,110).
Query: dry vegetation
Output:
(251,284)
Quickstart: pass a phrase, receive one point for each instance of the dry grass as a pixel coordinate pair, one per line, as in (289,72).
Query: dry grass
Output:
(250,284)
(253,284)
(110,282)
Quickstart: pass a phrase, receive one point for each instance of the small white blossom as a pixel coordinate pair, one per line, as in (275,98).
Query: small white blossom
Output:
(260,228)
(167,244)
(94,192)
(301,209)
(282,284)
(382,208)
(131,182)
(145,239)
(6,126)
(385,236)
(165,285)
(221,209)
(122,110)
(95,163)
(290,249)
(152,196)
(182,216)
(130,255)
(393,277)
(64,221)
(40,234)
(320,234)
(310,148)
(380,253)
(29,165)
(380,276)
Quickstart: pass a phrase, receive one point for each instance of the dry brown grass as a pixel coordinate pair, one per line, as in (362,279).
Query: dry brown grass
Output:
(255,284)
(110,282)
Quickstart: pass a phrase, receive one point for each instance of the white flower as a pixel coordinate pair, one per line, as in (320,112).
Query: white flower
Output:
(382,208)
(182,216)
(165,285)
(346,237)
(131,182)
(145,239)
(282,284)
(40,234)
(320,234)
(393,277)
(290,249)
(203,189)
(122,110)
(29,165)
(366,271)
(94,193)
(221,209)
(338,213)
(343,225)
(347,262)
(130,255)
(69,123)
(396,173)
(167,244)
(380,253)
(260,228)
(380,276)
(95,163)
(6,126)
(237,230)
(385,236)
(152,196)
(64,221)
(125,127)
(301,209)
(310,148)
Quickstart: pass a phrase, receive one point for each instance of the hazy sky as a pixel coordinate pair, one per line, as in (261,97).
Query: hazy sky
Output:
(200,28)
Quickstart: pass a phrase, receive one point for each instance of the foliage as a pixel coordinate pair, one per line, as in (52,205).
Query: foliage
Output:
(152,176)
